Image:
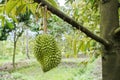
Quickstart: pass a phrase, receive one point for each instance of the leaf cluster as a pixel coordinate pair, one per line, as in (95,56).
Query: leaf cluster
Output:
(4,31)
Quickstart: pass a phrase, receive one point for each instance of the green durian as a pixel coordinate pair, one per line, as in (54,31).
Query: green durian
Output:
(47,52)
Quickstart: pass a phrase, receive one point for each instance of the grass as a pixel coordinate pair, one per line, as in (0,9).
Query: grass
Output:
(6,58)
(62,72)
(35,73)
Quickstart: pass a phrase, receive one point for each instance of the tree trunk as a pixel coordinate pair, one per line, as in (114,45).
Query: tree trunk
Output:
(14,50)
(111,54)
(27,42)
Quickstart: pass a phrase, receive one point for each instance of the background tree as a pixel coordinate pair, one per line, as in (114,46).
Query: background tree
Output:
(17,13)
(17,34)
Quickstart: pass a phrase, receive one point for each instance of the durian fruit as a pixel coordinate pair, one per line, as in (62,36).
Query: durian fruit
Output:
(47,52)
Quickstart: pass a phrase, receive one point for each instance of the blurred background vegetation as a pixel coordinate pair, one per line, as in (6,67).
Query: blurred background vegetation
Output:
(21,21)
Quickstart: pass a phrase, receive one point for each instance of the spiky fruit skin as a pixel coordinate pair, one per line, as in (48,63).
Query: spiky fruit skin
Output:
(47,52)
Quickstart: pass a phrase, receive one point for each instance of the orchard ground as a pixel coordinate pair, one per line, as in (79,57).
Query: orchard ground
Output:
(82,68)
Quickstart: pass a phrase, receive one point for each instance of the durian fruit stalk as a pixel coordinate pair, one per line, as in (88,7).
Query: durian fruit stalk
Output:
(47,52)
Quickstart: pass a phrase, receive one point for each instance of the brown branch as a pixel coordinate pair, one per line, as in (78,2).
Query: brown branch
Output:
(72,22)
(45,19)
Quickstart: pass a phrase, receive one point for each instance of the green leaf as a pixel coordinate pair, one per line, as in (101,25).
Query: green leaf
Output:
(3,20)
(32,8)
(79,45)
(1,8)
(52,2)
(88,44)
(82,45)
(9,25)
(21,9)
(11,4)
(74,47)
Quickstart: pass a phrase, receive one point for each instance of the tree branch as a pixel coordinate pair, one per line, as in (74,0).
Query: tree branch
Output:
(117,32)
(72,22)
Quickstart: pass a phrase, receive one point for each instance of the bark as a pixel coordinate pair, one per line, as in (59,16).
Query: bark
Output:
(111,54)
(72,22)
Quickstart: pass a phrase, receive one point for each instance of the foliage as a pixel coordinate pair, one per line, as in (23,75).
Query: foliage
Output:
(7,46)
(57,27)
(71,41)
(77,43)
(82,12)
(85,12)
(4,31)
(14,8)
